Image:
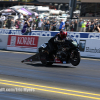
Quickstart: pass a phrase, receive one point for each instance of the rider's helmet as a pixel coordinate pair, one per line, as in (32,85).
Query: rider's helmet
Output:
(63,34)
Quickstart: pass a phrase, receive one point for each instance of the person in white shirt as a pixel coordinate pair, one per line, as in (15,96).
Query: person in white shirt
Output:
(40,25)
(22,24)
(57,26)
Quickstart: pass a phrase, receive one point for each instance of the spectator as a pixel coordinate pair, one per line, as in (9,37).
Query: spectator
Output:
(17,24)
(72,26)
(54,25)
(37,21)
(40,25)
(44,23)
(47,26)
(1,23)
(87,26)
(91,28)
(12,23)
(4,24)
(21,23)
(33,25)
(67,25)
(98,28)
(99,22)
(62,25)
(19,15)
(79,25)
(95,22)
(84,26)
(75,26)
(9,23)
(26,27)
(57,26)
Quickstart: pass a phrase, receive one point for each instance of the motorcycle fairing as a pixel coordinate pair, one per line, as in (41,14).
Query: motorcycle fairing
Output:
(36,57)
(57,60)
(32,58)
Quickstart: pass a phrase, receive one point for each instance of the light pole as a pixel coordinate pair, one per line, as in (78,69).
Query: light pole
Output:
(72,7)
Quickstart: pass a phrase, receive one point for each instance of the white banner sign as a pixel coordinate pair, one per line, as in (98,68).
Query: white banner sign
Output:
(89,47)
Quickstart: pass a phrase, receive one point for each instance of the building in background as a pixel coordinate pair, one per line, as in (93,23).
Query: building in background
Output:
(90,9)
(53,4)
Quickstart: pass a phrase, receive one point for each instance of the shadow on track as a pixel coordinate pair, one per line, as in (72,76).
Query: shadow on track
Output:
(51,66)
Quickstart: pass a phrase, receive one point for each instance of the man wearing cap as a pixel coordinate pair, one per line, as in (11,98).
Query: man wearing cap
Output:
(84,26)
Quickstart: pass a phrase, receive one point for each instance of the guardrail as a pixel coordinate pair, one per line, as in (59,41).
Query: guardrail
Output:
(89,46)
(52,33)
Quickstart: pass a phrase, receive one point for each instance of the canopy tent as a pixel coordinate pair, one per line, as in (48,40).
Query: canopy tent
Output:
(29,13)
(77,11)
(16,10)
(29,10)
(7,12)
(36,14)
(33,15)
(25,11)
(22,11)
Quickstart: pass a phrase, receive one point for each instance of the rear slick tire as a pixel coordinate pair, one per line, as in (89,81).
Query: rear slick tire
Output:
(75,57)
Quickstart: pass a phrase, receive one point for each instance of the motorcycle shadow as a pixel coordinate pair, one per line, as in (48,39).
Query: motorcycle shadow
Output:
(49,66)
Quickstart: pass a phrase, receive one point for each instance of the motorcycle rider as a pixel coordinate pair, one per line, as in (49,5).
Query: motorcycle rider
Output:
(61,36)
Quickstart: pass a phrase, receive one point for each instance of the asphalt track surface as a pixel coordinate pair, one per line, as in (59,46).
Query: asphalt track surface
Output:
(33,81)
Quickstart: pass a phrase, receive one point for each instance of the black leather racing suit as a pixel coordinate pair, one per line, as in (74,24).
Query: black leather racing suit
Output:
(53,43)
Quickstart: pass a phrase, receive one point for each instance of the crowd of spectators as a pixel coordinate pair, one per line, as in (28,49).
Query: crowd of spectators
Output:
(51,24)
(89,26)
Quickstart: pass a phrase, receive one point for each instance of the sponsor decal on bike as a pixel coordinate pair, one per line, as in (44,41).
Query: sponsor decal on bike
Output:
(64,62)
(57,60)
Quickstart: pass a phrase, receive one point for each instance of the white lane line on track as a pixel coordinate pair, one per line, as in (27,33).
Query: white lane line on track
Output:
(35,53)
(90,59)
(17,52)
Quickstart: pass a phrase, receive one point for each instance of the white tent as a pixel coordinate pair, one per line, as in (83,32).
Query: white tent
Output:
(36,14)
(52,11)
(77,11)
(22,11)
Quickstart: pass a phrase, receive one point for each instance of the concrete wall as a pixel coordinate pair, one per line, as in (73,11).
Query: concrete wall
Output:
(3,41)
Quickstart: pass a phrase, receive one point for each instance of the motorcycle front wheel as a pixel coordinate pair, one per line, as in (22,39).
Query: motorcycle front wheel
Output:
(75,57)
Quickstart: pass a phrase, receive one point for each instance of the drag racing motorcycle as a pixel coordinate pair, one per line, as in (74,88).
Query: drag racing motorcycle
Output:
(67,51)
